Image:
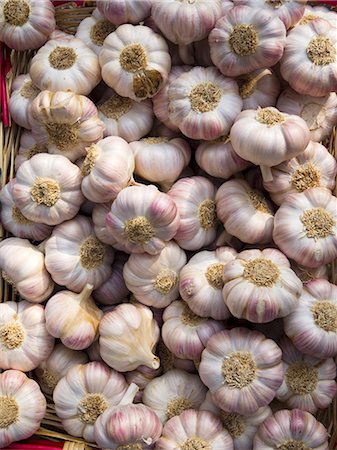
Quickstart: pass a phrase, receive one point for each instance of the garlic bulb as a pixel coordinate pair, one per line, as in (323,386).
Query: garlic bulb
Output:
(309,63)
(124,117)
(246,39)
(320,113)
(241,428)
(26,24)
(195,201)
(23,93)
(291,429)
(75,257)
(73,318)
(99,213)
(142,219)
(203,103)
(107,169)
(93,30)
(173,393)
(154,279)
(244,212)
(93,352)
(195,429)
(15,222)
(315,167)
(184,333)
(133,11)
(267,137)
(65,122)
(316,12)
(28,148)
(128,334)
(58,34)
(161,160)
(135,61)
(113,290)
(84,393)
(47,189)
(309,383)
(242,369)
(218,159)
(305,227)
(201,282)
(23,266)
(307,274)
(169,361)
(24,340)
(22,407)
(60,361)
(260,286)
(312,326)
(142,376)
(65,65)
(186,22)
(259,89)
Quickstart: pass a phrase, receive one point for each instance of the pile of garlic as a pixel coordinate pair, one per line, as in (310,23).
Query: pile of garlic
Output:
(171,225)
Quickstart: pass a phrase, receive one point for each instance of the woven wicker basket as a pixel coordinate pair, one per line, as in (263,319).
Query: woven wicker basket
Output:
(68,16)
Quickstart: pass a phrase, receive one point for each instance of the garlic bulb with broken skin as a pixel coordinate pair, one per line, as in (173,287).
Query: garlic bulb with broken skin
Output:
(22,94)
(24,339)
(28,148)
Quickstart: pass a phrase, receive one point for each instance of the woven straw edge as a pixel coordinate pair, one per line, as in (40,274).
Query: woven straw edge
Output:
(68,18)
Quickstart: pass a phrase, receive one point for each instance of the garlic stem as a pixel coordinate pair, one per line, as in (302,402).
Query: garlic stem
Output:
(266,173)
(86,293)
(129,395)
(262,74)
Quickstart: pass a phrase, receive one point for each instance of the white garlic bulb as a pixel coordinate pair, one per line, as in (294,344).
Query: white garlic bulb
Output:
(316,12)
(133,11)
(28,148)
(23,93)
(22,407)
(24,340)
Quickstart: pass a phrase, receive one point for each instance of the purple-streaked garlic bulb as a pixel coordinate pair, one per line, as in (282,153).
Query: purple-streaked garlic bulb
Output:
(28,148)
(260,286)
(309,383)
(318,12)
(99,213)
(124,11)
(154,279)
(142,219)
(174,392)
(312,326)
(22,94)
(184,333)
(305,227)
(246,39)
(201,282)
(242,369)
(259,88)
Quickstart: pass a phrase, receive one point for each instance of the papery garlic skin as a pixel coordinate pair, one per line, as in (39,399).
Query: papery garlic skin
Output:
(320,113)
(161,160)
(173,393)
(47,189)
(142,219)
(242,369)
(244,212)
(107,169)
(195,201)
(124,11)
(196,429)
(241,428)
(309,62)
(315,167)
(305,227)
(65,122)
(75,257)
(26,24)
(246,39)
(128,334)
(203,103)
(24,340)
(259,89)
(65,65)
(312,326)
(23,266)
(22,94)
(184,333)
(124,117)
(201,282)
(135,69)
(28,148)
(84,394)
(15,222)
(309,383)
(317,12)
(56,366)
(22,406)
(154,279)
(291,428)
(260,286)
